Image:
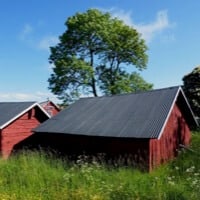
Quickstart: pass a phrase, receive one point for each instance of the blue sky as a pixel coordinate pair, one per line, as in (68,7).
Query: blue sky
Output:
(171,29)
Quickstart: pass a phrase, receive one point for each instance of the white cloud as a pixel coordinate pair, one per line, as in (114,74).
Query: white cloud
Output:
(26,31)
(37,96)
(122,15)
(161,23)
(42,42)
(47,41)
(148,30)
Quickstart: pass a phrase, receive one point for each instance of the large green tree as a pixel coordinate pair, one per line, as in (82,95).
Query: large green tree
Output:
(97,54)
(191,87)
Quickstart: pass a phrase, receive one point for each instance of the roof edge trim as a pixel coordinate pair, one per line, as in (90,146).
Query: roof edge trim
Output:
(186,100)
(169,113)
(43,110)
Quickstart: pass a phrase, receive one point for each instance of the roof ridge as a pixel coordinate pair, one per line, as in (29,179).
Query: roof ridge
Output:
(132,93)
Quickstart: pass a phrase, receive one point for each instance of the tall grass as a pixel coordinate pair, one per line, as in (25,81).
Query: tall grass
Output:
(39,176)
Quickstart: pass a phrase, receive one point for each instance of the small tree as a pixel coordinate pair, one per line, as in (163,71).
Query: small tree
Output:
(93,56)
(191,87)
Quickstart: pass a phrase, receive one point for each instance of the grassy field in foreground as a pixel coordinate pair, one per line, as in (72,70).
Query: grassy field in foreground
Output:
(37,176)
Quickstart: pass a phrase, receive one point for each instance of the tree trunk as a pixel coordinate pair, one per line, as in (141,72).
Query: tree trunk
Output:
(93,84)
(94,87)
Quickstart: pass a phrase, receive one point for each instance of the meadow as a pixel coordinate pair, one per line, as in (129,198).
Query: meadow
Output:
(39,176)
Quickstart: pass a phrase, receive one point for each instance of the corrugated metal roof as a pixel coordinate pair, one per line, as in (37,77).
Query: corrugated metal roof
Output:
(139,115)
(9,110)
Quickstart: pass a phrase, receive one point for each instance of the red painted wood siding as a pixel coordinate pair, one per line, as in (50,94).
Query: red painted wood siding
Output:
(17,131)
(175,132)
(51,108)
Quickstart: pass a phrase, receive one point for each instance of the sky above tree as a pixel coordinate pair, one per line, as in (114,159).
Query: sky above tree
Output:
(28,28)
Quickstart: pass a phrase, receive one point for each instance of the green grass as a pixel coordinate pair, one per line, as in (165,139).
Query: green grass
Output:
(38,176)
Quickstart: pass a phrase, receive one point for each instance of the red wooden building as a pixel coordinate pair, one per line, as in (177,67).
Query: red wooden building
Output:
(17,119)
(145,127)
(51,108)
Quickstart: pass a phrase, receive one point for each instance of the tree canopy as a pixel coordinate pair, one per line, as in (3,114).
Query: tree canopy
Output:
(191,87)
(97,54)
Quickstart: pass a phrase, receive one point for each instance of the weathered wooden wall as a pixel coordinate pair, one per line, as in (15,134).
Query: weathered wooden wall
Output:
(175,132)
(19,130)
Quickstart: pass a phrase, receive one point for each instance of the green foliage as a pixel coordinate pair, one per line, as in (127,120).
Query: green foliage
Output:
(70,73)
(38,176)
(191,87)
(94,54)
(124,82)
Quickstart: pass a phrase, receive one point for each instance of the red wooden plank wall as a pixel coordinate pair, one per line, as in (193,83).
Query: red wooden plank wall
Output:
(51,109)
(175,132)
(17,131)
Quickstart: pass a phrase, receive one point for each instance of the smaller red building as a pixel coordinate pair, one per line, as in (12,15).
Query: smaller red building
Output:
(51,108)
(17,119)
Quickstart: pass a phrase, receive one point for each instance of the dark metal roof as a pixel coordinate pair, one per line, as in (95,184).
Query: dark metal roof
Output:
(139,115)
(9,110)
